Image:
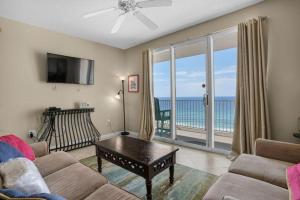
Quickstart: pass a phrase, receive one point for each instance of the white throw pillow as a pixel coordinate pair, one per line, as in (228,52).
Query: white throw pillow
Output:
(21,174)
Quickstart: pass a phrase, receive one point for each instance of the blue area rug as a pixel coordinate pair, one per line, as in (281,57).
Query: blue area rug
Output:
(189,183)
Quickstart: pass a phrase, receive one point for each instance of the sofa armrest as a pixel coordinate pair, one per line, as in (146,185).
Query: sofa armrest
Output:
(40,149)
(277,150)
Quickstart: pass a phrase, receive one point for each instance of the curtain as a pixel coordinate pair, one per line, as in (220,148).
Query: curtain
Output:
(252,116)
(147,116)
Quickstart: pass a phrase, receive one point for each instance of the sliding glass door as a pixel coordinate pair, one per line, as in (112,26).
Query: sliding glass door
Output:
(194,89)
(162,92)
(191,92)
(224,77)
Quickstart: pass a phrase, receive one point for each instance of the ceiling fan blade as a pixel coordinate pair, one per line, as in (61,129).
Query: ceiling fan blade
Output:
(145,20)
(98,12)
(154,3)
(118,24)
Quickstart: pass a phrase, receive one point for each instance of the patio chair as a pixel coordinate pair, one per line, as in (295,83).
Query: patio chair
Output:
(161,116)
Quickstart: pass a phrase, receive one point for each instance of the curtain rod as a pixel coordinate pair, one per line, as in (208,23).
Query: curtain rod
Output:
(189,39)
(204,35)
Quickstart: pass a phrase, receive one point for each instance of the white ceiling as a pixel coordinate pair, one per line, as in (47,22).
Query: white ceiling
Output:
(65,16)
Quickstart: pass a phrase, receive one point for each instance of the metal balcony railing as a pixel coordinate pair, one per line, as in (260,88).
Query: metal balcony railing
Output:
(190,113)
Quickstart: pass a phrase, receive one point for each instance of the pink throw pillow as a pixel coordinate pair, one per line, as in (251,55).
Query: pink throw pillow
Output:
(293,181)
(19,144)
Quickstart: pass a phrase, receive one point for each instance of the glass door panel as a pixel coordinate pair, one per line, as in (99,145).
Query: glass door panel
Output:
(190,67)
(194,87)
(225,69)
(162,92)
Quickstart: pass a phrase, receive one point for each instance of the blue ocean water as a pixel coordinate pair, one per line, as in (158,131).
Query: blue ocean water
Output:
(190,112)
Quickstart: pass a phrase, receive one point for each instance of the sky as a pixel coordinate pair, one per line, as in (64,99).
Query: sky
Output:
(190,75)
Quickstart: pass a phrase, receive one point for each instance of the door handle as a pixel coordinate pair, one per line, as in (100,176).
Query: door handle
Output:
(205,99)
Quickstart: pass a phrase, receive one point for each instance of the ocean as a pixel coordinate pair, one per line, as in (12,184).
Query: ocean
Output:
(190,112)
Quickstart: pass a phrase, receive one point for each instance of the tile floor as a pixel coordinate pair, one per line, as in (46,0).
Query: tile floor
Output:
(209,162)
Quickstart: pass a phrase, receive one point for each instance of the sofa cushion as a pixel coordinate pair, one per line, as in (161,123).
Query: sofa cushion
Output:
(15,194)
(229,198)
(265,169)
(53,162)
(110,192)
(40,149)
(75,182)
(244,188)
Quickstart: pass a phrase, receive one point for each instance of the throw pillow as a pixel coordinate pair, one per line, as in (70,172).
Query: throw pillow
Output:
(19,144)
(293,181)
(7,152)
(8,193)
(21,174)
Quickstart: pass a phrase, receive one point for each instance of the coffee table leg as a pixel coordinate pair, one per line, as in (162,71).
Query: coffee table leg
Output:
(149,189)
(171,169)
(99,164)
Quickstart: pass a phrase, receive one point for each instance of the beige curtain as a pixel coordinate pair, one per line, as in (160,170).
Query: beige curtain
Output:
(252,116)
(147,116)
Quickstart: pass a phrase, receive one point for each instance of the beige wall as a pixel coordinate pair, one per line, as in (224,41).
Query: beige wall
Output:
(283,60)
(24,93)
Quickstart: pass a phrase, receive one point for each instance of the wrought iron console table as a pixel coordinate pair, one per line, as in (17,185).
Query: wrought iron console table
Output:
(69,129)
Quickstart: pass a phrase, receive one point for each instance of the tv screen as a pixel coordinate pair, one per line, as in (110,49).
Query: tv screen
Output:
(65,69)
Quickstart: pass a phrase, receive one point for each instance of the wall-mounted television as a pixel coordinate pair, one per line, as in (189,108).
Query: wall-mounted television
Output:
(66,69)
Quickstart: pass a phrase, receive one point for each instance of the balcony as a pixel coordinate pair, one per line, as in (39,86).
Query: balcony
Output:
(191,121)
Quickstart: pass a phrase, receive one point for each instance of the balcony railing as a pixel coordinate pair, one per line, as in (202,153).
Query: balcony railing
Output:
(190,113)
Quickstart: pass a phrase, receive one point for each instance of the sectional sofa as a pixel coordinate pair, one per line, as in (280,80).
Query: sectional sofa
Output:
(258,177)
(67,177)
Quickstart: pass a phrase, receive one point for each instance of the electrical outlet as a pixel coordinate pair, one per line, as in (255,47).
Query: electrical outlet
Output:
(32,133)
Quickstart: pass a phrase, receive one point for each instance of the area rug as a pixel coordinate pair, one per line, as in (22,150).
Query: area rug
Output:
(189,183)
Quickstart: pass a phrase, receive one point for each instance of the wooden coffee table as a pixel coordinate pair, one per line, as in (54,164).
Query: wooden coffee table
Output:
(146,159)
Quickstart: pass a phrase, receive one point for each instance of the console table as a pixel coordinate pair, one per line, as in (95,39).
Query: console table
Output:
(69,129)
(146,159)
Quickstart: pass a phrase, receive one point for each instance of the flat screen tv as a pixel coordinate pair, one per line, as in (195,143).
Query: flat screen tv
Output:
(66,69)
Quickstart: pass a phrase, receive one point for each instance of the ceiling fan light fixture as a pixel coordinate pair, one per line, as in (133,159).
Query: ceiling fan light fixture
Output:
(129,7)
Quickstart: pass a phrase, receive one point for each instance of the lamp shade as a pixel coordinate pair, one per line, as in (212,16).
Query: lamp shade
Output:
(117,96)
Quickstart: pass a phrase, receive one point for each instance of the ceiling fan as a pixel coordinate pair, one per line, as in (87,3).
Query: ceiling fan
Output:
(130,7)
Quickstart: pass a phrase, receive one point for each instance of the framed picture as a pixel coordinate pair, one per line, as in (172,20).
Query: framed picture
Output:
(133,83)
